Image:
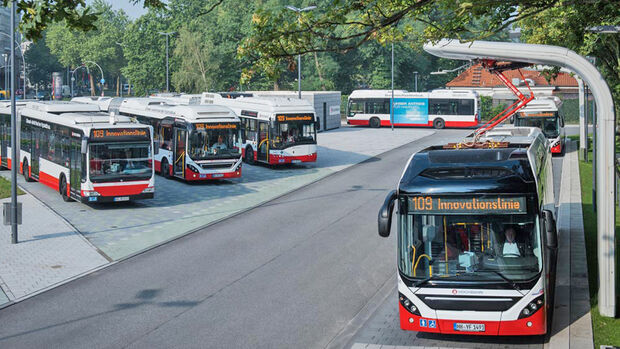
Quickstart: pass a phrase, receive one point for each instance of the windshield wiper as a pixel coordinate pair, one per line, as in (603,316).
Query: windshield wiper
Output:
(510,282)
(423,281)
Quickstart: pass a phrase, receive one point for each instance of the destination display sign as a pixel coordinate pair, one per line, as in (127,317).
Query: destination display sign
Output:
(295,117)
(467,205)
(537,114)
(120,134)
(203,126)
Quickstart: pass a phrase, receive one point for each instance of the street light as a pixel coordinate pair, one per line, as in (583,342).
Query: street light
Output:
(299,11)
(167,66)
(605,29)
(14,206)
(415,75)
(101,70)
(23,59)
(73,78)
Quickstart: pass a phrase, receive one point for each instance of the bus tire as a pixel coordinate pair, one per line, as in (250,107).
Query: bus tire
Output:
(165,169)
(26,171)
(249,155)
(439,123)
(375,122)
(62,187)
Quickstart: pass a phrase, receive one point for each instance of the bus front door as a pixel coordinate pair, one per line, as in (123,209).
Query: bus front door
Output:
(4,151)
(37,143)
(180,136)
(263,141)
(75,170)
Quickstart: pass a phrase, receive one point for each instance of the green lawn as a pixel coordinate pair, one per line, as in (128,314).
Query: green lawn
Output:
(606,330)
(5,188)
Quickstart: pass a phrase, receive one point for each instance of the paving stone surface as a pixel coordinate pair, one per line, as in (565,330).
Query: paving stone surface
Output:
(124,228)
(49,251)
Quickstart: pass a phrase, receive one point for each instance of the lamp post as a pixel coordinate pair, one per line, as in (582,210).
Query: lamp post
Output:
(23,58)
(13,206)
(167,34)
(6,71)
(392,99)
(415,76)
(102,81)
(299,11)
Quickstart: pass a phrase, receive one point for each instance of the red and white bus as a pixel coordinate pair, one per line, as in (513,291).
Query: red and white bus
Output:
(546,114)
(477,239)
(274,130)
(438,108)
(85,154)
(196,142)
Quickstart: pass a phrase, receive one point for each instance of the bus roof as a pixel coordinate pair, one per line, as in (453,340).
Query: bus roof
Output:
(56,107)
(438,93)
(271,105)
(5,106)
(160,108)
(104,103)
(543,104)
(507,170)
(77,119)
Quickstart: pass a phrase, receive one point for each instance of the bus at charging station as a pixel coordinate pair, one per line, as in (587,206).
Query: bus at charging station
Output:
(274,130)
(195,142)
(477,241)
(438,108)
(84,154)
(547,115)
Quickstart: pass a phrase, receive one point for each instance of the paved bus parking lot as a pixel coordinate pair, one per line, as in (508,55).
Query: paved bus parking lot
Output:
(115,231)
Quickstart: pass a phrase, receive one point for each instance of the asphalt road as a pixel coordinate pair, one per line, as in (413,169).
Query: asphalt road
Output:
(290,273)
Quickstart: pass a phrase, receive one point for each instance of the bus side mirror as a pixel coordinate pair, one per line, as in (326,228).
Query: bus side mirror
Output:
(550,230)
(385,214)
(512,119)
(84,147)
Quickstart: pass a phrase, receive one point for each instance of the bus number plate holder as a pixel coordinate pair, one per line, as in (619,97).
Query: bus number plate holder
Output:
(469,327)
(296,161)
(218,175)
(121,198)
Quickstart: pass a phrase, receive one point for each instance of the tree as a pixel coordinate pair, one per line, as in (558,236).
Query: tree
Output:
(568,27)
(341,26)
(37,15)
(99,45)
(41,64)
(195,54)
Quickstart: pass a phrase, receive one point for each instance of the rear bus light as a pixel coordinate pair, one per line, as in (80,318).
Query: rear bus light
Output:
(148,190)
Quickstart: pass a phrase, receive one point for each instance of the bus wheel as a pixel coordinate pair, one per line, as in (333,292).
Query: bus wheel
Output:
(63,188)
(375,122)
(26,171)
(249,155)
(165,168)
(439,124)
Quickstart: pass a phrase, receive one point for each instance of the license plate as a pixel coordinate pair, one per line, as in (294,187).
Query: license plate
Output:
(281,160)
(203,176)
(468,327)
(92,198)
(296,161)
(121,198)
(218,175)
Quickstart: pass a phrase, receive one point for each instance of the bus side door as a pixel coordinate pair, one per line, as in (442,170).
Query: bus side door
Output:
(75,169)
(180,137)
(263,141)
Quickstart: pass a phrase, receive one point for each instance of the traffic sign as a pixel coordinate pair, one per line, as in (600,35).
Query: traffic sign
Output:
(102,81)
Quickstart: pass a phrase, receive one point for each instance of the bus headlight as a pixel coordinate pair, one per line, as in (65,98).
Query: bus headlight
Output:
(407,304)
(532,307)
(148,190)
(90,193)
(192,168)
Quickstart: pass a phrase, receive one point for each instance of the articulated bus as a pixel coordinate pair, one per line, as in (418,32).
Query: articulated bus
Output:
(477,241)
(85,154)
(5,130)
(438,108)
(196,142)
(545,113)
(275,130)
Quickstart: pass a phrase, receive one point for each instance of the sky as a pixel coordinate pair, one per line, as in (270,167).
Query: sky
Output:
(133,11)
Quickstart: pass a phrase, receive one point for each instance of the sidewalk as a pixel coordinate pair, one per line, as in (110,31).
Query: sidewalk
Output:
(49,251)
(572,325)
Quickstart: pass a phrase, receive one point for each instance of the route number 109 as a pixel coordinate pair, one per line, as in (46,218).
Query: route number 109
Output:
(422,203)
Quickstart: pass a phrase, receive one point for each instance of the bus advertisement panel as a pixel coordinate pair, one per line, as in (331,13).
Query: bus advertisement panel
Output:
(411,111)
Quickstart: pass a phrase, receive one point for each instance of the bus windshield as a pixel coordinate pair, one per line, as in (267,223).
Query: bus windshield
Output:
(550,126)
(111,162)
(214,143)
(293,130)
(472,247)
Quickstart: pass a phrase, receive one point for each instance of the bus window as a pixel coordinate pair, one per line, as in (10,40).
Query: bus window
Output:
(439,106)
(356,106)
(378,106)
(465,106)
